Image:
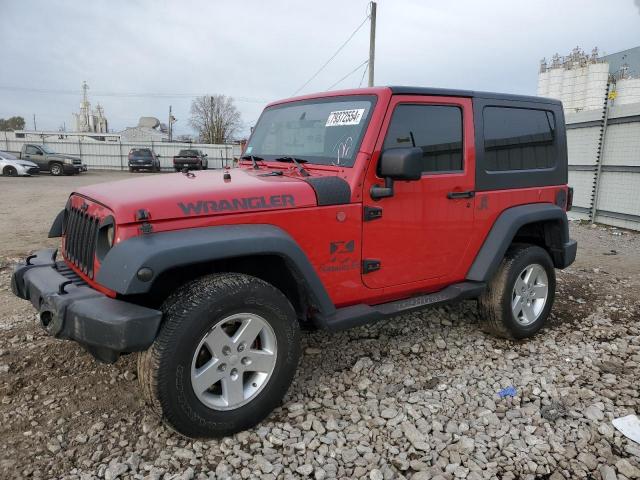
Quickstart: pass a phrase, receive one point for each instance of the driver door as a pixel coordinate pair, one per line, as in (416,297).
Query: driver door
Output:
(37,156)
(419,235)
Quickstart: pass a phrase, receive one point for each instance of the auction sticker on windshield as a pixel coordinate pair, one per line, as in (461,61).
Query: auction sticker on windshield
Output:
(345,117)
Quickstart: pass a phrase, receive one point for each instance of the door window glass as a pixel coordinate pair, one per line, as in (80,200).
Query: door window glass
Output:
(436,129)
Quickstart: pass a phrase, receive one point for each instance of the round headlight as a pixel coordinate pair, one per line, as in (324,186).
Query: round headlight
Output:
(110,234)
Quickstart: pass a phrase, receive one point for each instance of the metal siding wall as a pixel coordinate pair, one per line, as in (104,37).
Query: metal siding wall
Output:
(623,144)
(582,145)
(582,183)
(618,191)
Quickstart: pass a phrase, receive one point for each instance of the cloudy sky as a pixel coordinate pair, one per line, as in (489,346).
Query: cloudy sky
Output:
(139,57)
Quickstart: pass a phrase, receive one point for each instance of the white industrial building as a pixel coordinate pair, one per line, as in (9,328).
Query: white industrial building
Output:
(601,98)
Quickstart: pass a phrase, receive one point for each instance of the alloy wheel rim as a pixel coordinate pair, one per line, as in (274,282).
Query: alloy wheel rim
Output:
(234,361)
(529,295)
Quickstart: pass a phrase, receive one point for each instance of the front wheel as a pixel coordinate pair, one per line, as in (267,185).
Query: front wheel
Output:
(56,169)
(519,298)
(225,355)
(10,171)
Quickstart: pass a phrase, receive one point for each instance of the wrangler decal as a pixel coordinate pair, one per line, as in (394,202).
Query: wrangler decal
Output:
(234,204)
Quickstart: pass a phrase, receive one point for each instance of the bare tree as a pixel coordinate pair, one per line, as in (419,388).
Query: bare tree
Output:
(215,118)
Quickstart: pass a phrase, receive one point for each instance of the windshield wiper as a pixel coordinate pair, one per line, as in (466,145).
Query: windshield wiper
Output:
(254,160)
(298,163)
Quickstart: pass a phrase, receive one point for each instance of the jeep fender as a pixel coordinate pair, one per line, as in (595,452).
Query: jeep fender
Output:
(166,250)
(503,231)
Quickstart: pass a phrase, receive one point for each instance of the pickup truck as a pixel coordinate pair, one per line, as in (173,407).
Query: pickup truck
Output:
(50,161)
(190,159)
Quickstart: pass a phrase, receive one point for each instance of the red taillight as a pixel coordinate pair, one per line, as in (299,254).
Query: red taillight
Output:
(569,198)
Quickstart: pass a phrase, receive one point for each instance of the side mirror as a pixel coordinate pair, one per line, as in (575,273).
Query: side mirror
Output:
(401,164)
(397,164)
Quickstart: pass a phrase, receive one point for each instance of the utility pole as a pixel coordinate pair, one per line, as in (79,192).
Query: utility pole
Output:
(170,125)
(372,43)
(35,126)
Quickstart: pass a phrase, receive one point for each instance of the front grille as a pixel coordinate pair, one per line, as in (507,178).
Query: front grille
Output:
(81,233)
(66,271)
(77,161)
(33,171)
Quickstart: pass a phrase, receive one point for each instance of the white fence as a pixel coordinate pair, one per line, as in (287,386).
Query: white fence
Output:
(110,155)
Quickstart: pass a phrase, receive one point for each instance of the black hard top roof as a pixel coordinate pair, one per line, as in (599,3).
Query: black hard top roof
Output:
(446,92)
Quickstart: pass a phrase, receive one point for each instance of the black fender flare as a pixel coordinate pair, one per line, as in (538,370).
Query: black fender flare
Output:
(504,229)
(56,227)
(165,250)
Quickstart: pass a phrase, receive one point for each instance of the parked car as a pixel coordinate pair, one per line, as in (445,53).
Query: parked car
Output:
(50,161)
(12,166)
(143,159)
(348,207)
(190,159)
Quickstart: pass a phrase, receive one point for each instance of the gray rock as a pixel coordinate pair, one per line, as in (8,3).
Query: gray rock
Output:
(114,470)
(607,472)
(593,412)
(305,470)
(376,474)
(626,469)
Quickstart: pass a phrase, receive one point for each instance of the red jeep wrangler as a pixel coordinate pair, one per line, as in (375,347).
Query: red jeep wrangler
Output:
(347,207)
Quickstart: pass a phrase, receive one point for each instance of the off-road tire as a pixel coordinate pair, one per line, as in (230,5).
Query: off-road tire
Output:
(164,370)
(494,304)
(10,171)
(56,169)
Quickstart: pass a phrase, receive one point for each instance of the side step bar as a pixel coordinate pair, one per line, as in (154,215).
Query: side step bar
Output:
(357,315)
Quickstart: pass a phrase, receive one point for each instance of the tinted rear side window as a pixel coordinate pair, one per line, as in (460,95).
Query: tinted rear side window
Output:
(518,139)
(436,129)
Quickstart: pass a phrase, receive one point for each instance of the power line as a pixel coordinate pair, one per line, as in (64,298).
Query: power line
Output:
(350,73)
(121,94)
(333,56)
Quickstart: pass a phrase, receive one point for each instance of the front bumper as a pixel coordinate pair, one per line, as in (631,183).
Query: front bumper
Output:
(69,308)
(69,168)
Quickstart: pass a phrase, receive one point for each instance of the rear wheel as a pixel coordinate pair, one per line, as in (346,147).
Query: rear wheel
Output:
(225,355)
(10,171)
(56,169)
(519,298)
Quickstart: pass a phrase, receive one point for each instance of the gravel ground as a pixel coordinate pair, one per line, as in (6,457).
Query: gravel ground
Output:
(413,397)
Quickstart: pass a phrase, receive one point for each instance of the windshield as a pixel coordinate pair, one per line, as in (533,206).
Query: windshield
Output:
(7,156)
(322,131)
(46,149)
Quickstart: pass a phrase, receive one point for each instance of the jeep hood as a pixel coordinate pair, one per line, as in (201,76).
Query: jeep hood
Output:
(176,195)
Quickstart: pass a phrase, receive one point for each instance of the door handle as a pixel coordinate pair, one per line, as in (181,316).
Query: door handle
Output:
(456,195)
